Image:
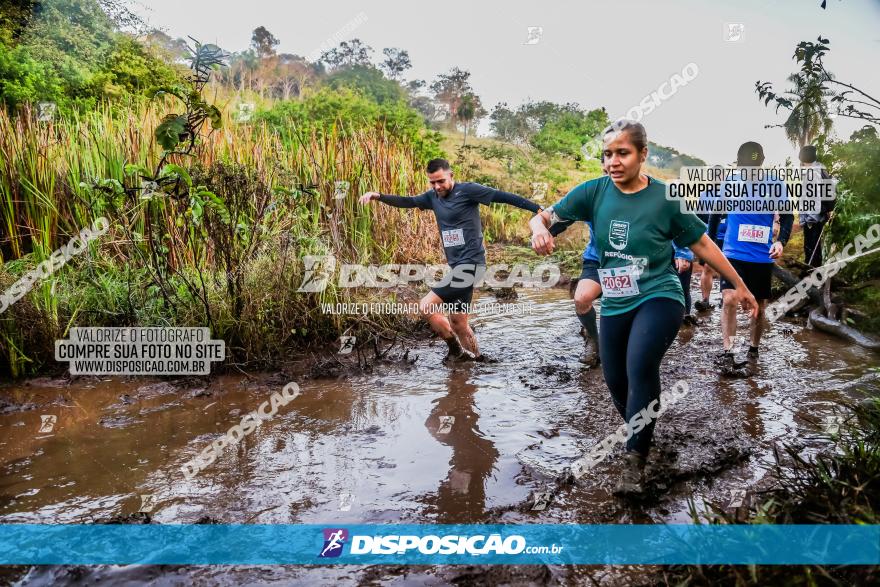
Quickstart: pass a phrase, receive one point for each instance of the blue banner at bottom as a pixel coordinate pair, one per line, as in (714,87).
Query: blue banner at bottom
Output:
(415,544)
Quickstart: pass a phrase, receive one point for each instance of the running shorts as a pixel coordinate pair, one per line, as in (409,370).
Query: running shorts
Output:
(757,277)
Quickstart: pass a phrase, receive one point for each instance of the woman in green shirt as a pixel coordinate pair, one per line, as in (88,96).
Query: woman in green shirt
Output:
(642,298)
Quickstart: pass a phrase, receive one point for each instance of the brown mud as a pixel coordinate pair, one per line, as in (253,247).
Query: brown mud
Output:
(370,440)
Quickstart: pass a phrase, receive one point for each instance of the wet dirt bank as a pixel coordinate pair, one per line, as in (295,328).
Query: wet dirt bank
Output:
(412,441)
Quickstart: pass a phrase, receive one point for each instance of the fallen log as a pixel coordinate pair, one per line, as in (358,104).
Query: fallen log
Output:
(826,324)
(790,280)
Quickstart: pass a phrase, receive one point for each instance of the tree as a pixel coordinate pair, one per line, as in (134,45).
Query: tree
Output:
(470,110)
(549,127)
(264,42)
(241,71)
(395,63)
(813,78)
(122,17)
(70,53)
(347,54)
(15,17)
(450,88)
(509,125)
(293,73)
(72,35)
(415,86)
(425,106)
(369,81)
(174,50)
(809,115)
(855,164)
(131,67)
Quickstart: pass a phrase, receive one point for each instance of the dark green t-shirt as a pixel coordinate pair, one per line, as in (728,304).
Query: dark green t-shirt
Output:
(633,234)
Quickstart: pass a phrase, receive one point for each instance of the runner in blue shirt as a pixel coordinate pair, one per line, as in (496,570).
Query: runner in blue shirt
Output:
(748,244)
(684,266)
(708,274)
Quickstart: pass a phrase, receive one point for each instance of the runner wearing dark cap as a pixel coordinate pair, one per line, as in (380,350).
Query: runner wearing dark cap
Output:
(748,243)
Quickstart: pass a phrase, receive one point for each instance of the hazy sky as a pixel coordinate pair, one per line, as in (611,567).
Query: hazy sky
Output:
(607,54)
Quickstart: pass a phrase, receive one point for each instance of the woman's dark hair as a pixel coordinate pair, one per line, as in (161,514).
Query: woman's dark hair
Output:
(637,134)
(437,165)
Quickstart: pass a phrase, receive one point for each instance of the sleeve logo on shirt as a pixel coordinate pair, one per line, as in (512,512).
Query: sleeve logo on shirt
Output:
(618,234)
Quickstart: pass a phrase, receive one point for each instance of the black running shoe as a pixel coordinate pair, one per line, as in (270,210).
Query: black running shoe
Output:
(691,320)
(703,305)
(456,353)
(591,353)
(632,478)
(753,353)
(730,367)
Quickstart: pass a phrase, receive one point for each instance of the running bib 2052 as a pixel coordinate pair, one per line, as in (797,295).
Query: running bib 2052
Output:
(453,238)
(619,282)
(754,233)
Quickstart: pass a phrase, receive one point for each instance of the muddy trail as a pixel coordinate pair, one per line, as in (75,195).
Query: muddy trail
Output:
(412,441)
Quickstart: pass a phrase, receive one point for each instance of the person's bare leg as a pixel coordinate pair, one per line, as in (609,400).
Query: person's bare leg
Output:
(463,330)
(586,293)
(706,282)
(437,321)
(757,325)
(728,319)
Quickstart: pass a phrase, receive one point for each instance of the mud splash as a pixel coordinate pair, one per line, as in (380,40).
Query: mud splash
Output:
(410,441)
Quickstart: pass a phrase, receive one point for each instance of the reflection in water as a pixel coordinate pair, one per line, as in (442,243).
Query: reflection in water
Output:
(461,496)
(360,449)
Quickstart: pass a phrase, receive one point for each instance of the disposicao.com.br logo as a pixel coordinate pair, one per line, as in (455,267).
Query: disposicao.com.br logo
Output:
(320,270)
(451,544)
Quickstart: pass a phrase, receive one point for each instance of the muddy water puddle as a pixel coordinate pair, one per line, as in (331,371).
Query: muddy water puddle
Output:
(420,443)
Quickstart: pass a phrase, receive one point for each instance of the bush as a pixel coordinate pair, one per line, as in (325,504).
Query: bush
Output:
(855,163)
(345,110)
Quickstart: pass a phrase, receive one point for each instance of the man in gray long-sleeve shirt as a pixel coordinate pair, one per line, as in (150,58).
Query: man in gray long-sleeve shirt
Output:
(456,208)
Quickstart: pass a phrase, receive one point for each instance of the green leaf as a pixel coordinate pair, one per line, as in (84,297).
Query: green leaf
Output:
(214,202)
(133,168)
(171,168)
(215,116)
(196,210)
(173,90)
(169,131)
(111,185)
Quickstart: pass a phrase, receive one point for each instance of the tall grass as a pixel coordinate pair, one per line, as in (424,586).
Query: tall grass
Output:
(284,196)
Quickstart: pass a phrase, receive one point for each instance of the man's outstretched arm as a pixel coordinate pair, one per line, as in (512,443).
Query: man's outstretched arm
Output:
(486,195)
(421,201)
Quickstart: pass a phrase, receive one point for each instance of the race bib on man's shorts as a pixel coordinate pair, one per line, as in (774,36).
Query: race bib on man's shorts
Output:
(754,233)
(620,282)
(453,238)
